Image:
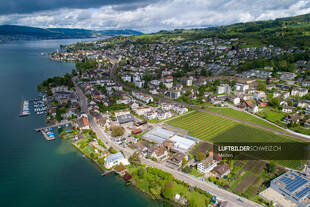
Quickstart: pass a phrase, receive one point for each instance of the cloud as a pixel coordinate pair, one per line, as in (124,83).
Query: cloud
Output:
(162,14)
(30,6)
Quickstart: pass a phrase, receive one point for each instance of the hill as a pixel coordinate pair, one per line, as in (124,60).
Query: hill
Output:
(13,32)
(282,32)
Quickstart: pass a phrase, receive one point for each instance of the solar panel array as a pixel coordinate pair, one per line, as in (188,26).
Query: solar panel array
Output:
(292,184)
(303,192)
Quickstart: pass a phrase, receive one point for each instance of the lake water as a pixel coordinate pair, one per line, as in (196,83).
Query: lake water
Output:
(33,171)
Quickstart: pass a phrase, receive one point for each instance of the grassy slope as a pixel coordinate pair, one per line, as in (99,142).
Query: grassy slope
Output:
(242,116)
(291,31)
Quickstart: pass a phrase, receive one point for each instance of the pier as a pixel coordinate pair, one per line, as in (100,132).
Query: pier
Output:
(47,137)
(52,126)
(24,108)
(107,172)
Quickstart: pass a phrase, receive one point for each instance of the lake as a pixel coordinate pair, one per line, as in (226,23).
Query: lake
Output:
(35,172)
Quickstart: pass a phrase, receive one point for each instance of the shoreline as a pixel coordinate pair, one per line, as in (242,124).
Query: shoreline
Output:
(130,183)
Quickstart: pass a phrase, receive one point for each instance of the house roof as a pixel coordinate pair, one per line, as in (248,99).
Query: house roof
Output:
(179,156)
(120,168)
(114,157)
(207,162)
(125,118)
(221,169)
(136,131)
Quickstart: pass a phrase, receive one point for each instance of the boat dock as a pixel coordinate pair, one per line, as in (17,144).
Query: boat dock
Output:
(107,172)
(52,126)
(48,138)
(24,108)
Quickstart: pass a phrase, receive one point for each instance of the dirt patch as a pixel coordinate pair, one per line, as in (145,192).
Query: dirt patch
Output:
(204,147)
(255,166)
(247,181)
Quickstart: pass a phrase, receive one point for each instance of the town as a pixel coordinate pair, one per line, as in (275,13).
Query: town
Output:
(162,104)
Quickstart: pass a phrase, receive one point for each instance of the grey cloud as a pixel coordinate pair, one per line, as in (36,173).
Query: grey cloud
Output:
(162,14)
(30,6)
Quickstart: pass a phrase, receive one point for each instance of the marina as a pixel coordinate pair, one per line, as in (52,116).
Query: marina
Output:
(47,131)
(37,105)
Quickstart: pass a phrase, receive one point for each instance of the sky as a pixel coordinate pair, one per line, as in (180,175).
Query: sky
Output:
(144,15)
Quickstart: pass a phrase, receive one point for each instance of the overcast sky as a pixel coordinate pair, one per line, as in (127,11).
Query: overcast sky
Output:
(144,15)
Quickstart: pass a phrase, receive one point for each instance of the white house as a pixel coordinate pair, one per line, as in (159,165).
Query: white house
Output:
(115,159)
(142,110)
(241,87)
(150,115)
(259,94)
(126,78)
(206,165)
(299,92)
(287,109)
(234,99)
(143,97)
(223,88)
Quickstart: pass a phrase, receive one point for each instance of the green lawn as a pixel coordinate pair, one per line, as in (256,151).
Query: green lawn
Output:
(242,116)
(273,116)
(197,198)
(195,173)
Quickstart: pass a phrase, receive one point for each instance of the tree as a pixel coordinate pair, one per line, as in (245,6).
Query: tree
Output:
(261,86)
(187,169)
(271,167)
(134,159)
(275,102)
(168,191)
(162,85)
(112,150)
(141,173)
(199,156)
(117,131)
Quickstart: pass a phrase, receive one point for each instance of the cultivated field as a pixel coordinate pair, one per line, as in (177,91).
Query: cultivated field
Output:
(213,128)
(218,129)
(202,125)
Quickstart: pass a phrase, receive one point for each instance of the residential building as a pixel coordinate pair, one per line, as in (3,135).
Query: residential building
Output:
(287,109)
(173,94)
(221,170)
(143,97)
(206,165)
(115,159)
(187,81)
(223,88)
(82,122)
(259,95)
(299,92)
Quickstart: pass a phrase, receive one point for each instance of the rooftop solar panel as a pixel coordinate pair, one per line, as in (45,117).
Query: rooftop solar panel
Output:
(303,192)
